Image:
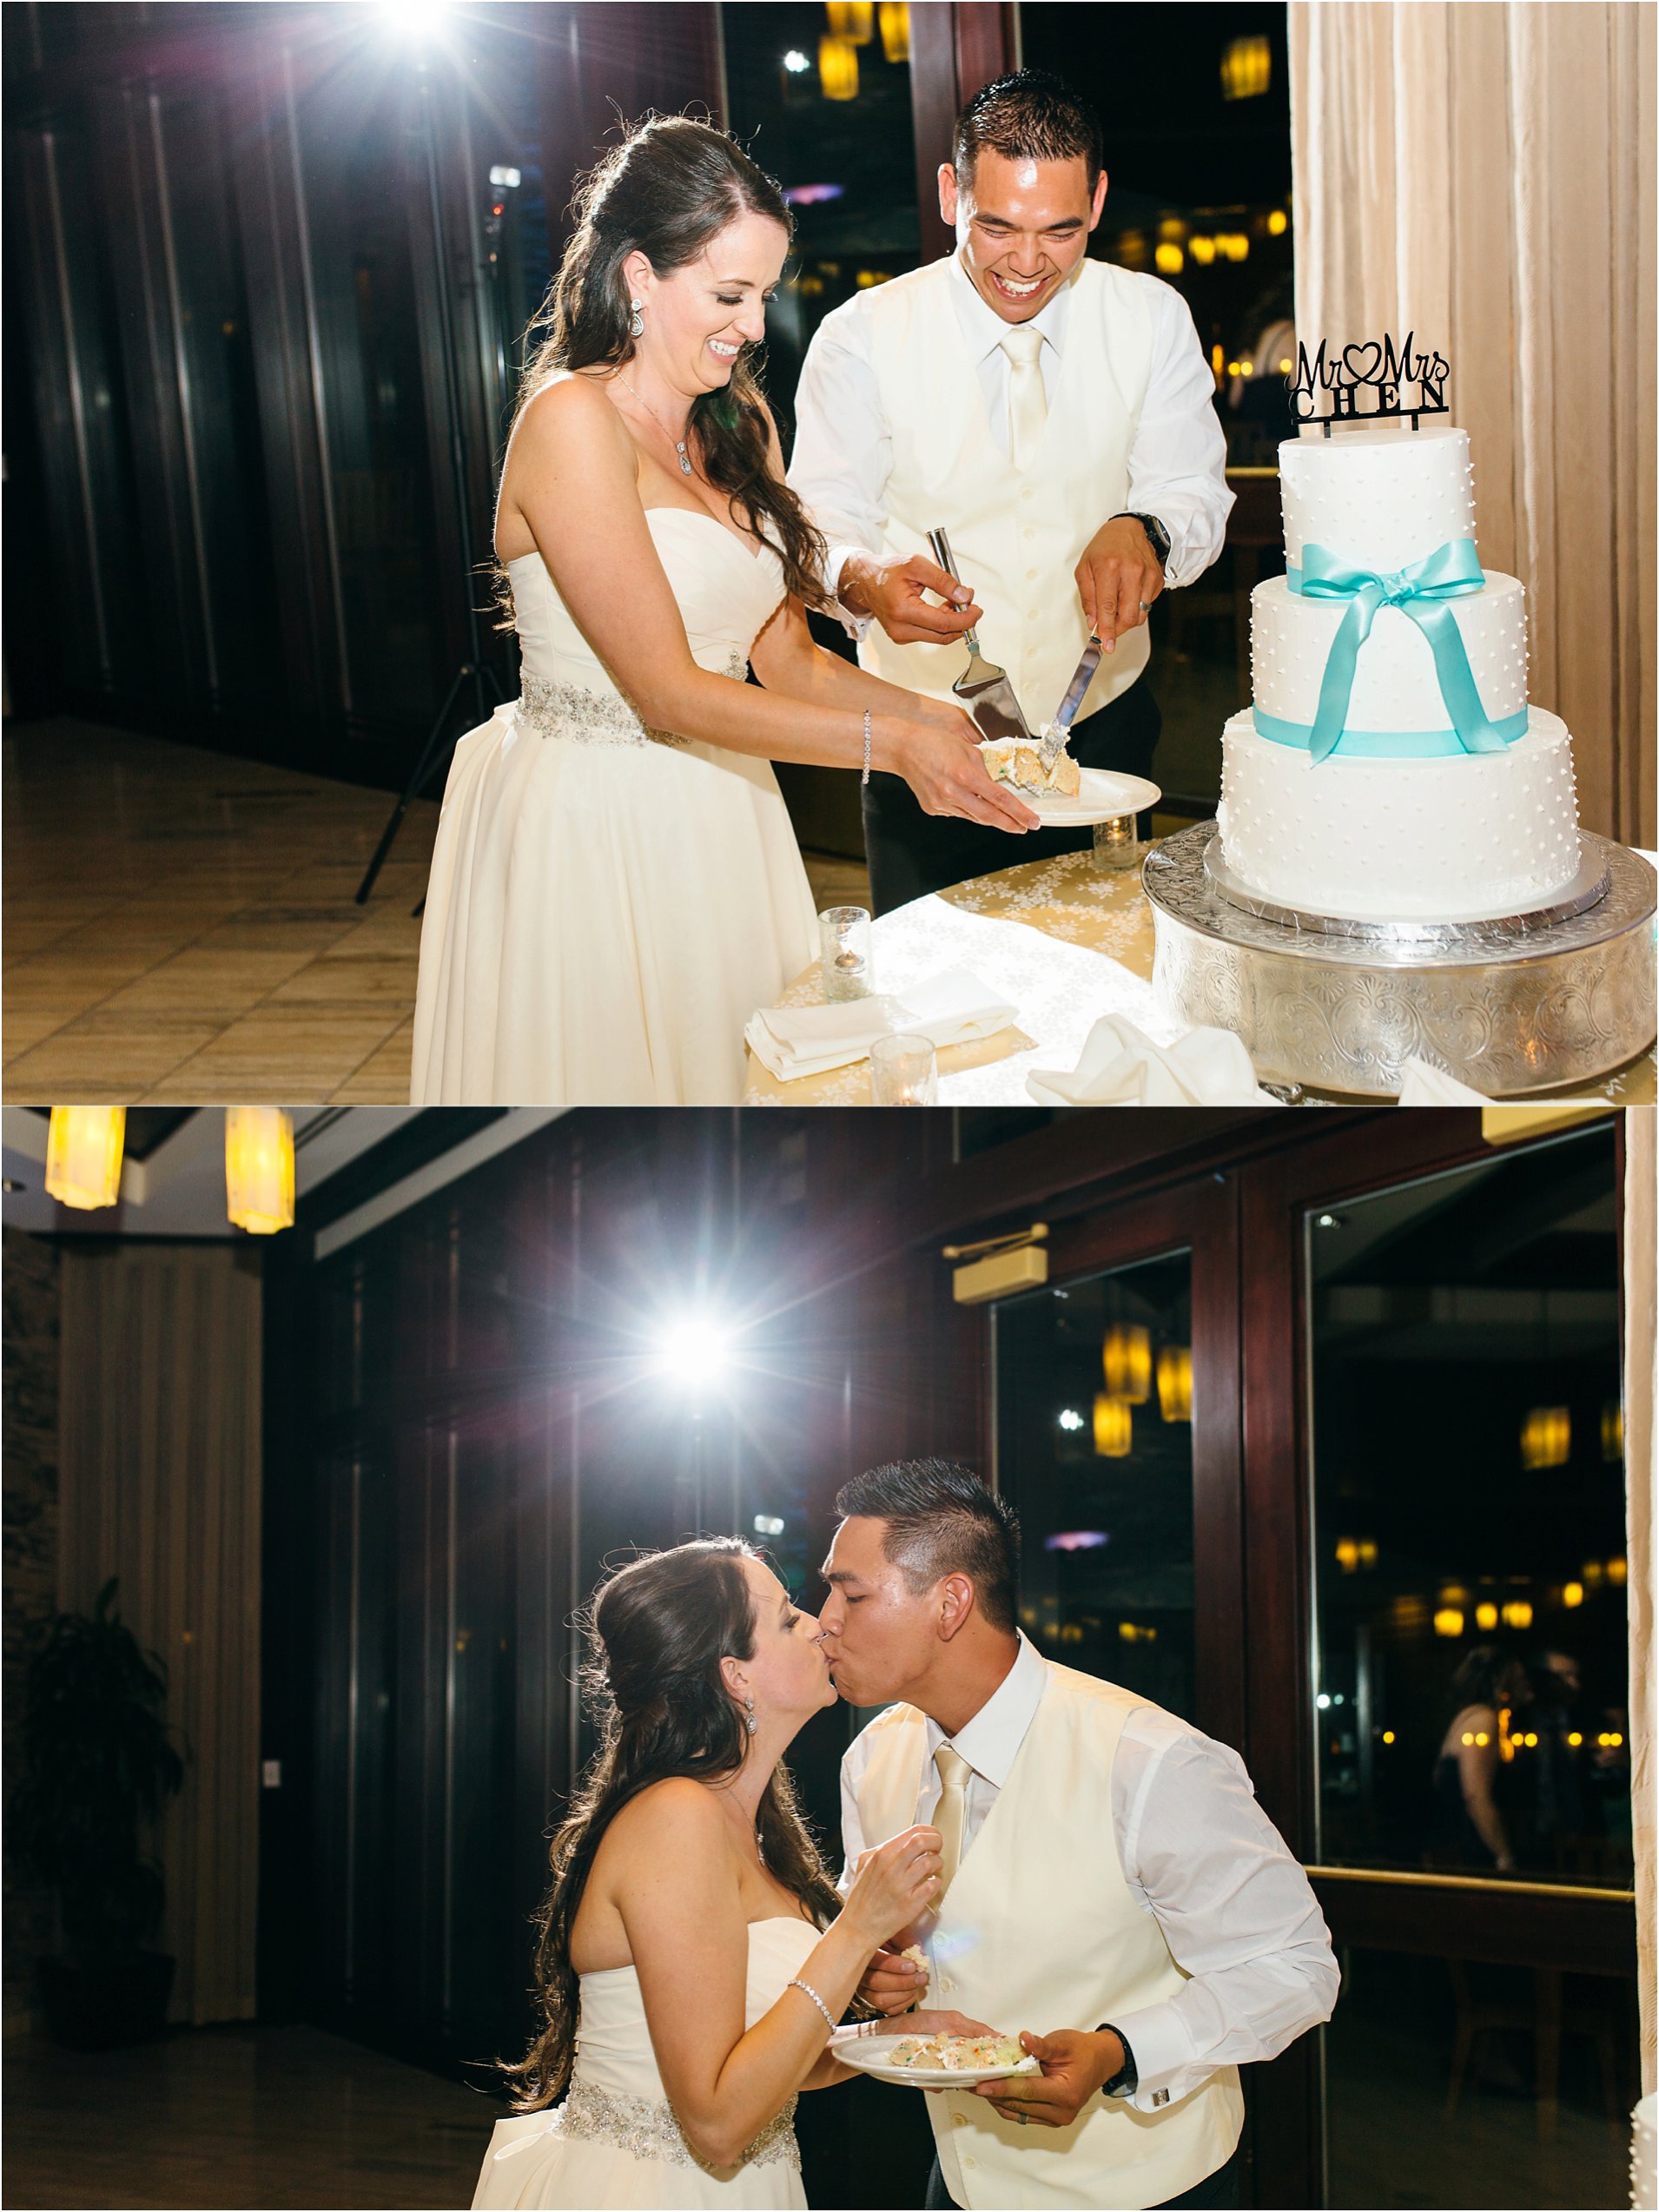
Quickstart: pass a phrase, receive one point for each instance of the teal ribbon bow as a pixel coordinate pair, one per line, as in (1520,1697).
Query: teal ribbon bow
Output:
(1422,591)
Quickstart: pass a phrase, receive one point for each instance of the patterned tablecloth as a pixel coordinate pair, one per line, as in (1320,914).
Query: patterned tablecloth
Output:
(1066,943)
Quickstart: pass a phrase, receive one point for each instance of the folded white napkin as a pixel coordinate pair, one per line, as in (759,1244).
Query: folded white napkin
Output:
(1120,1065)
(1422,1083)
(949,1008)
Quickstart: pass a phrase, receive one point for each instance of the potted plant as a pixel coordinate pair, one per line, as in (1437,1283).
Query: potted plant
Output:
(97,1766)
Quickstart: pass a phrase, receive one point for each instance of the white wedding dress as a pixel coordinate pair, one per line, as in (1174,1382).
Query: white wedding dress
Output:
(609,904)
(614,2140)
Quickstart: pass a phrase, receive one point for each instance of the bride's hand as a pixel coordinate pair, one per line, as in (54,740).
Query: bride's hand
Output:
(894,1884)
(944,768)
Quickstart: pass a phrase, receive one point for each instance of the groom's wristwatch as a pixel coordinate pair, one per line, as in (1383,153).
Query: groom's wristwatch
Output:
(1127,2080)
(1157,536)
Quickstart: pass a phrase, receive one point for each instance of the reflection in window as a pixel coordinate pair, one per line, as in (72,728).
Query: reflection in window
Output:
(1469,1518)
(1095,1453)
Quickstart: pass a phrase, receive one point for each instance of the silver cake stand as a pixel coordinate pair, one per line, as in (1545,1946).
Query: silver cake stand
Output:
(1536,1002)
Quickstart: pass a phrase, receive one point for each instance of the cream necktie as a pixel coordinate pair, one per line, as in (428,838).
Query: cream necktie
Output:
(1027,401)
(954,1771)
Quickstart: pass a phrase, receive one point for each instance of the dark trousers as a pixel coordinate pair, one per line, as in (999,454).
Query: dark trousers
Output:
(911,853)
(1217,2192)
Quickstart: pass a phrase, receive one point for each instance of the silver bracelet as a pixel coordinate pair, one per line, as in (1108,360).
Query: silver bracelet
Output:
(864,778)
(806,1989)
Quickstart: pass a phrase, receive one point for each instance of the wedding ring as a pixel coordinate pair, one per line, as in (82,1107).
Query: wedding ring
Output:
(1146,606)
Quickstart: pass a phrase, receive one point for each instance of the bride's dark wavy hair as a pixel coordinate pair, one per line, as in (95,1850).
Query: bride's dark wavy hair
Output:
(667,192)
(656,1632)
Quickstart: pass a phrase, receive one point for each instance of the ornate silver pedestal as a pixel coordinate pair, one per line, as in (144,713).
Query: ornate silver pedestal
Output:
(1536,1003)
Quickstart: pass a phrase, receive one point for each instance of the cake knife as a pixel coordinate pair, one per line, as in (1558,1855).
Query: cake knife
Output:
(983,687)
(1054,737)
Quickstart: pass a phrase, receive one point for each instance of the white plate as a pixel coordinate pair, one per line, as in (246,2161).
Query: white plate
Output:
(1104,793)
(871,2055)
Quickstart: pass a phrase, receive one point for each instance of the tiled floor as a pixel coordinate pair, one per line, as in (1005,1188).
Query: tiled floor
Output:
(234,2116)
(180,926)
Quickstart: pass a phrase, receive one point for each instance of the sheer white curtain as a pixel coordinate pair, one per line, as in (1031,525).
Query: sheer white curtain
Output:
(159,1483)
(1484,171)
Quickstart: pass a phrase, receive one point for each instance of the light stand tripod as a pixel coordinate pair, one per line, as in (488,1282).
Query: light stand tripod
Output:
(472,669)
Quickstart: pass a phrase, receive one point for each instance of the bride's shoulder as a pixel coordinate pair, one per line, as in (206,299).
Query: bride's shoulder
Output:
(675,1808)
(570,404)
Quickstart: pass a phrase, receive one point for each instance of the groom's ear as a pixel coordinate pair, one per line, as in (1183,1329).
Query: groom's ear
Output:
(948,194)
(957,1602)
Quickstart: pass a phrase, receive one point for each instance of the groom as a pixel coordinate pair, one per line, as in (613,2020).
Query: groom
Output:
(1111,1887)
(1055,416)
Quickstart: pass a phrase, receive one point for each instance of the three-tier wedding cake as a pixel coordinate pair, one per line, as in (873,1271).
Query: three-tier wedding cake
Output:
(1389,769)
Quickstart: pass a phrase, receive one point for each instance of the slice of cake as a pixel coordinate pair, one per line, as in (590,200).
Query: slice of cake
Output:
(1019,760)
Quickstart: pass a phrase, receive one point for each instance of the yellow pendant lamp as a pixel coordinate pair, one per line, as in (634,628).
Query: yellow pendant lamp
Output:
(1113,1428)
(853,20)
(1546,1438)
(837,68)
(259,1169)
(1126,1360)
(1175,1382)
(83,1149)
(894,15)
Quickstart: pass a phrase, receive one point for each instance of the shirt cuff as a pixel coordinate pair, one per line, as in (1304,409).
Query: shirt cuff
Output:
(855,625)
(1163,2058)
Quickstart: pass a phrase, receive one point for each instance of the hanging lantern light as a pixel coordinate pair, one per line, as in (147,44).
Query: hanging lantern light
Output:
(1113,1428)
(1448,1622)
(837,68)
(1126,1357)
(1546,1438)
(1175,1382)
(1246,68)
(83,1148)
(893,17)
(853,20)
(1612,1432)
(259,1169)
(1517,1613)
(1486,1616)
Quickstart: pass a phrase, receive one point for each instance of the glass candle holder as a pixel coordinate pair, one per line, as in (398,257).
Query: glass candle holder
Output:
(1117,843)
(844,953)
(904,1072)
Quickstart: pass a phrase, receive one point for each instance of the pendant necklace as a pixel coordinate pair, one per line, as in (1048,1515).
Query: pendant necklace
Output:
(678,443)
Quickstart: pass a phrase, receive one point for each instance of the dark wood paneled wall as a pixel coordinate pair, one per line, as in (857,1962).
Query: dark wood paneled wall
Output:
(263,350)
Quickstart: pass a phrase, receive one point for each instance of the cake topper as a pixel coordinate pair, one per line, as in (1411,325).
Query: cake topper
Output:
(1376,373)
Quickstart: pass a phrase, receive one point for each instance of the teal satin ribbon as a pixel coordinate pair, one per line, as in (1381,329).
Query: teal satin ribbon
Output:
(1383,744)
(1420,592)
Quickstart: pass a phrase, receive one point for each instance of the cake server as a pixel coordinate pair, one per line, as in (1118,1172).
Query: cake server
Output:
(983,687)
(1060,730)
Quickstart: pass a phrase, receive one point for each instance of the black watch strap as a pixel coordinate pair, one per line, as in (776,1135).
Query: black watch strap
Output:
(1127,2080)
(1157,536)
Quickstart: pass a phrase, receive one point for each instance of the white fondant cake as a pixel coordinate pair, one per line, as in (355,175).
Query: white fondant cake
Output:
(1424,793)
(1396,686)
(1461,838)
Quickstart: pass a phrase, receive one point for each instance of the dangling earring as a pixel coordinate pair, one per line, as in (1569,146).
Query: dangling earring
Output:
(748,1715)
(637,327)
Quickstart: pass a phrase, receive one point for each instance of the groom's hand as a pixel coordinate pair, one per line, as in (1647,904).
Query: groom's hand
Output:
(891,590)
(1074,2065)
(1118,579)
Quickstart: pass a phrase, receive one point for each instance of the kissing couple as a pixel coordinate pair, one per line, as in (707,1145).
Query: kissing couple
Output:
(1076,1867)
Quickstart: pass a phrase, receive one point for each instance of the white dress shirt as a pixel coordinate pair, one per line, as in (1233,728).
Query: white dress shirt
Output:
(1200,1856)
(1176,461)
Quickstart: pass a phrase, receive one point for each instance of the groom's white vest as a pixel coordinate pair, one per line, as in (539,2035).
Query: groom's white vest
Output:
(1015,535)
(1040,1929)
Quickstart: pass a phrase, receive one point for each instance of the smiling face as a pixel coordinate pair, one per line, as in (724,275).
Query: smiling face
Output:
(698,319)
(881,1637)
(788,1675)
(1021,227)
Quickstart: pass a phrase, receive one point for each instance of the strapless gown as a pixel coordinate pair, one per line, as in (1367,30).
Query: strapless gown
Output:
(608,903)
(614,2140)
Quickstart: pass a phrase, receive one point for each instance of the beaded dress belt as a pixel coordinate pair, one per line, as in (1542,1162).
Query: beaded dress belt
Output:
(646,2126)
(597,717)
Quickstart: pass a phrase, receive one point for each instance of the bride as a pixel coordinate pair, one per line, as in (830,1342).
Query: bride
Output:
(616,886)
(694,1954)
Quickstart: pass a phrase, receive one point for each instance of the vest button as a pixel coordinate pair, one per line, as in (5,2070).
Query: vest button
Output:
(959,2119)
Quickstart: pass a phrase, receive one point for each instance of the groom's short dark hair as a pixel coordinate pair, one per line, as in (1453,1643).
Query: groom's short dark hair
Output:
(942,1520)
(1033,116)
